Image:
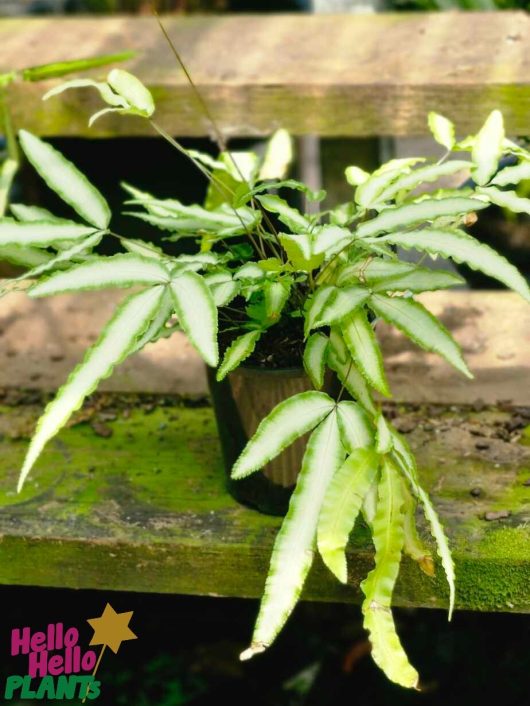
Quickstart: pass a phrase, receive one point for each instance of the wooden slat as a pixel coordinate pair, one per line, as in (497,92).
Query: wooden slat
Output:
(42,340)
(333,75)
(144,508)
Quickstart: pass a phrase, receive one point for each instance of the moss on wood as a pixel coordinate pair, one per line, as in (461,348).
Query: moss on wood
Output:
(133,498)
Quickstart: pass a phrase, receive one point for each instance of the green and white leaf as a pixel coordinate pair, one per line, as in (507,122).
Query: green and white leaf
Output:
(137,97)
(442,130)
(105,91)
(140,247)
(356,429)
(512,175)
(384,441)
(117,340)
(427,209)
(348,374)
(157,328)
(315,353)
(8,170)
(420,176)
(294,548)
(342,504)
(288,421)
(122,270)
(373,271)
(341,302)
(413,319)
(414,547)
(506,199)
(26,257)
(369,191)
(442,545)
(276,296)
(197,314)
(488,148)
(278,156)
(360,338)
(330,239)
(462,248)
(388,537)
(66,255)
(420,279)
(408,466)
(355,176)
(237,352)
(30,214)
(66,180)
(222,287)
(41,235)
(288,215)
(299,249)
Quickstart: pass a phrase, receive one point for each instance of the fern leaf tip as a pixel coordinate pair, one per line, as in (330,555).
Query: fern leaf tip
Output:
(255,648)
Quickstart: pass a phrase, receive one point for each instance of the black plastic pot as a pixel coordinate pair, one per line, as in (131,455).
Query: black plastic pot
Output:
(240,402)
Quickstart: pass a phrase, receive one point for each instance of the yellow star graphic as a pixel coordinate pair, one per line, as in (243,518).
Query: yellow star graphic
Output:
(111,628)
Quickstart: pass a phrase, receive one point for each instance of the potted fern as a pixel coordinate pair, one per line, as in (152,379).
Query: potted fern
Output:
(266,278)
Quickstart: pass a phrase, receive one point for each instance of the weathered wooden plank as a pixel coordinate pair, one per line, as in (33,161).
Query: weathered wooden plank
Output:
(333,75)
(139,504)
(42,340)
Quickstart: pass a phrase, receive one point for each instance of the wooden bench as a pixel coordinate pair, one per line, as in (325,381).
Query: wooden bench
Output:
(132,496)
(335,76)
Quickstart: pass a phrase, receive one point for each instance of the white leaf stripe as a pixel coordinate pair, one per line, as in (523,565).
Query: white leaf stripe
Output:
(360,338)
(66,180)
(413,319)
(462,248)
(115,343)
(426,210)
(197,314)
(239,351)
(35,234)
(287,421)
(123,270)
(293,551)
(355,428)
(342,504)
(315,358)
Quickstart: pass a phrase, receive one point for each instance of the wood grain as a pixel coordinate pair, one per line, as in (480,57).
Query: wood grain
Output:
(332,75)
